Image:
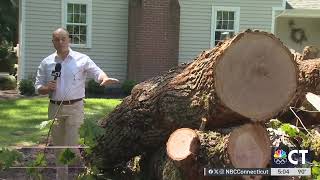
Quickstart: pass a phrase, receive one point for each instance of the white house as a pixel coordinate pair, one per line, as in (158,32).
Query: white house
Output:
(299,24)
(100,28)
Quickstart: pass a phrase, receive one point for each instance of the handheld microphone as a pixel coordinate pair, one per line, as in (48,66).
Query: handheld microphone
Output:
(57,71)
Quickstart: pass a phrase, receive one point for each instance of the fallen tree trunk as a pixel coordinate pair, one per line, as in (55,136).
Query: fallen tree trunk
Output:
(309,74)
(309,78)
(309,52)
(251,77)
(309,81)
(190,151)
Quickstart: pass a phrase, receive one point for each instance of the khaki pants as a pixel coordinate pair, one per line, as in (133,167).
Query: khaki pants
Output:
(65,131)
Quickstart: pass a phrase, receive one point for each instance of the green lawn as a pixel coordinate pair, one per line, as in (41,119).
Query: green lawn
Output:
(20,119)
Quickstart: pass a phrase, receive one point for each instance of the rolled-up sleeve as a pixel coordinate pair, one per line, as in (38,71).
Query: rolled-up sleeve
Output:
(92,69)
(41,77)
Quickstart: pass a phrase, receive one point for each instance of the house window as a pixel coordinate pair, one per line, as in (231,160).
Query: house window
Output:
(226,23)
(78,22)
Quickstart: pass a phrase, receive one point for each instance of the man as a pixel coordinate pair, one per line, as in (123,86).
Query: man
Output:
(62,75)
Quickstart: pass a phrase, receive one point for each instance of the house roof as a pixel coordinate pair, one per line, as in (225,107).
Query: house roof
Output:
(302,13)
(303,4)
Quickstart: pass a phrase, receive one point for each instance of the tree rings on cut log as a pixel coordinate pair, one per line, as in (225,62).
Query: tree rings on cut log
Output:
(249,146)
(256,76)
(182,145)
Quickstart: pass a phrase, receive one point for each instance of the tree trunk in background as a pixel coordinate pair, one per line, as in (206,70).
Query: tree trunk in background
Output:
(250,77)
(309,81)
(309,73)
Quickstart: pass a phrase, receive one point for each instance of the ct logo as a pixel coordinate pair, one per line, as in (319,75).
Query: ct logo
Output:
(303,156)
(280,156)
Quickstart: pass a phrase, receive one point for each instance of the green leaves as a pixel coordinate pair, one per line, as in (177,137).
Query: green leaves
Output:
(127,86)
(274,123)
(26,87)
(89,131)
(290,130)
(67,156)
(45,124)
(40,160)
(33,167)
(315,171)
(8,158)
(312,141)
(8,21)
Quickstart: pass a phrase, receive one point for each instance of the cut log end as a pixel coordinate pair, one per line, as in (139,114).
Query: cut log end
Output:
(183,144)
(256,76)
(249,147)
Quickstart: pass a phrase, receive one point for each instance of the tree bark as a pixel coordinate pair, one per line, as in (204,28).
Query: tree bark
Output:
(250,77)
(187,158)
(309,76)
(309,81)
(308,73)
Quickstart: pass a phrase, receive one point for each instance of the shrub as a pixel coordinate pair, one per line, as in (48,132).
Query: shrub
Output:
(3,51)
(12,61)
(7,82)
(127,86)
(8,58)
(26,87)
(94,87)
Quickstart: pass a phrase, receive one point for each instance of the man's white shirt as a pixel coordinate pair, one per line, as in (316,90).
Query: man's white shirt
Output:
(74,69)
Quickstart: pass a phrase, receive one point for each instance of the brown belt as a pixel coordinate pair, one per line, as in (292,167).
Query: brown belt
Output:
(67,102)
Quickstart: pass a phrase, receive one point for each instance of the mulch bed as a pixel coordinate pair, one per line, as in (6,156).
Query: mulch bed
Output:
(9,94)
(19,171)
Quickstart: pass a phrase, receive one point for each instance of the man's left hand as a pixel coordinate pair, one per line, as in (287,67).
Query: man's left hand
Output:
(107,81)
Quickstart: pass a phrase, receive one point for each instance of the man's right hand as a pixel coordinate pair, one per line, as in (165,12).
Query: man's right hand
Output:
(51,86)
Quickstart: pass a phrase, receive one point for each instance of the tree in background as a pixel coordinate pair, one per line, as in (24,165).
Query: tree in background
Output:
(9,14)
(9,11)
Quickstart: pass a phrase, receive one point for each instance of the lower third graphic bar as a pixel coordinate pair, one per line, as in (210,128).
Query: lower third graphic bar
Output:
(291,171)
(236,171)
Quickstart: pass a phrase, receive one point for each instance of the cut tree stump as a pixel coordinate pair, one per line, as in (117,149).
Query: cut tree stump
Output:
(251,77)
(183,146)
(255,75)
(246,142)
(190,151)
